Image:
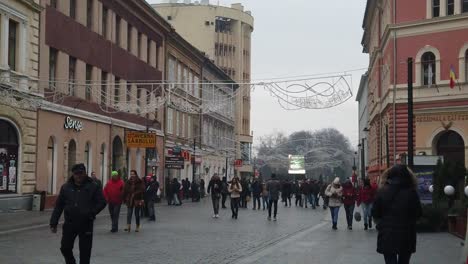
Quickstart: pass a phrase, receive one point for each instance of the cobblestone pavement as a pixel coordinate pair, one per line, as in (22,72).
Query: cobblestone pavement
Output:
(188,234)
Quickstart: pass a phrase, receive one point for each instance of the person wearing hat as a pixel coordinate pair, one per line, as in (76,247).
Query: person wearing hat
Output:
(335,192)
(81,200)
(113,193)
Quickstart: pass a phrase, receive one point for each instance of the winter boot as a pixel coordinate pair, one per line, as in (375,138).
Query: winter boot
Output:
(129,227)
(370,223)
(137,229)
(365,226)
(334,227)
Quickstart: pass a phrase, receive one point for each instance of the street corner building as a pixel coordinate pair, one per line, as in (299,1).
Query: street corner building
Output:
(435,35)
(99,61)
(19,73)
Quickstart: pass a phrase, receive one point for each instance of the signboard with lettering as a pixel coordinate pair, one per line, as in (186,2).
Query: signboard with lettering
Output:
(462,116)
(238,163)
(73,124)
(140,140)
(174,163)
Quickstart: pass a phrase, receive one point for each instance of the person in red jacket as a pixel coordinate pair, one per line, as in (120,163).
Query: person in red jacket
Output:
(366,198)
(113,193)
(349,201)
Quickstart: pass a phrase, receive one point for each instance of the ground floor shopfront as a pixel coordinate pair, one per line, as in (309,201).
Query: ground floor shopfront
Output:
(18,127)
(69,137)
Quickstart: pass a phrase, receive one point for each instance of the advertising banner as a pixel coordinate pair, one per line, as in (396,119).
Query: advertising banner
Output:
(140,140)
(176,163)
(296,164)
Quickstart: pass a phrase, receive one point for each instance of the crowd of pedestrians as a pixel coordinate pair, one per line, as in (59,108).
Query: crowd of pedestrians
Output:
(395,204)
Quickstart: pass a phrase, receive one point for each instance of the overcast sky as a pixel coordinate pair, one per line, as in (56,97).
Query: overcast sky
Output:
(304,37)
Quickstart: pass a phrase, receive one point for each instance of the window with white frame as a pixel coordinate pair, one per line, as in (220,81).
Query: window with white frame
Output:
(189,126)
(12,44)
(435,8)
(179,73)
(170,121)
(450,7)
(190,82)
(172,70)
(184,78)
(196,85)
(428,68)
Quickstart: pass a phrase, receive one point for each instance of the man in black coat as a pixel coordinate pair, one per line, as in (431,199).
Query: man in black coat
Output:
(256,192)
(81,200)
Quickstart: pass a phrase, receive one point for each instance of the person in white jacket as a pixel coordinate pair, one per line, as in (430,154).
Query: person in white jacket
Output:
(335,192)
(235,189)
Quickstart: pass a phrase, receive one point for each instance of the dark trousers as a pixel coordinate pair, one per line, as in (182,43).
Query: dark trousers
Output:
(317,199)
(298,199)
(287,198)
(265,202)
(223,199)
(151,212)
(273,203)
(256,200)
(85,234)
(130,215)
(215,201)
(397,259)
(235,206)
(114,212)
(349,214)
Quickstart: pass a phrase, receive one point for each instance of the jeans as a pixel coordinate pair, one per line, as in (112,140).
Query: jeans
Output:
(69,234)
(256,200)
(215,201)
(114,212)
(130,213)
(151,212)
(397,259)
(286,199)
(273,203)
(366,212)
(334,214)
(349,214)
(317,199)
(265,202)
(311,199)
(235,206)
(298,199)
(304,199)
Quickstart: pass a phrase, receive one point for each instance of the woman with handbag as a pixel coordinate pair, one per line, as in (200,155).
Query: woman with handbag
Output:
(214,187)
(335,192)
(133,197)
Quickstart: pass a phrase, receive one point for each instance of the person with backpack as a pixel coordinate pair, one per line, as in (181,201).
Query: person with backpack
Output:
(334,192)
(224,192)
(113,192)
(366,198)
(349,201)
(397,207)
(214,187)
(256,192)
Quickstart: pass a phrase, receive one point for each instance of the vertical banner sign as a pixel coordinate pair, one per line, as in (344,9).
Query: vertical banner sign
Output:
(296,164)
(140,140)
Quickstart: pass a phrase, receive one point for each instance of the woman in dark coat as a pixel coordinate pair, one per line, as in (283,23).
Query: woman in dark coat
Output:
(396,210)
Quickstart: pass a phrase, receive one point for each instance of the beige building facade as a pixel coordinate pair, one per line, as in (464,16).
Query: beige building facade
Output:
(224,35)
(19,72)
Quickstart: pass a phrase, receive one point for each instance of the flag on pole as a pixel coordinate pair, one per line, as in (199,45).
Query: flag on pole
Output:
(453,77)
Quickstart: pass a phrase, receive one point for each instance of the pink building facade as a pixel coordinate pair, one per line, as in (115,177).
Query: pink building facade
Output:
(435,34)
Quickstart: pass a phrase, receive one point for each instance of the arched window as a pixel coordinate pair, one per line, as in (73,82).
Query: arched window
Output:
(51,166)
(103,158)
(9,147)
(88,157)
(117,154)
(429,70)
(71,155)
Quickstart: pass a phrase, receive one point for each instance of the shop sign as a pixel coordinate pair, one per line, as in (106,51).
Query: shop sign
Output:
(442,117)
(73,124)
(238,163)
(140,140)
(174,163)
(198,159)
(186,155)
(176,150)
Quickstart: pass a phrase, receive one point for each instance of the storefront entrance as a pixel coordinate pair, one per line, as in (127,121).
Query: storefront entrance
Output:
(9,147)
(451,145)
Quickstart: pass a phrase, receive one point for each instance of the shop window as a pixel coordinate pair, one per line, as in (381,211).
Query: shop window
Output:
(428,68)
(51,166)
(12,43)
(9,146)
(71,155)
(102,163)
